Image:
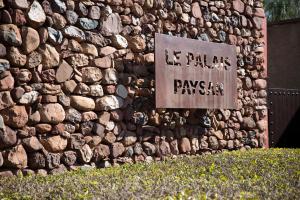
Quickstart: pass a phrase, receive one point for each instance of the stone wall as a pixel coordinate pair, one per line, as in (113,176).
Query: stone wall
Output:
(77,82)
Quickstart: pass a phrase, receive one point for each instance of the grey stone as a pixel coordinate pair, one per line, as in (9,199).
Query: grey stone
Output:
(55,36)
(88,24)
(74,32)
(111,25)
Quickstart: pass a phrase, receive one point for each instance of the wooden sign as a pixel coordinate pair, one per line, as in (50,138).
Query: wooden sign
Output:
(194,74)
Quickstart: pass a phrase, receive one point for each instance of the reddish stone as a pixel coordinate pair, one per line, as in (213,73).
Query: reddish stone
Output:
(19,17)
(117,149)
(8,138)
(238,5)
(15,116)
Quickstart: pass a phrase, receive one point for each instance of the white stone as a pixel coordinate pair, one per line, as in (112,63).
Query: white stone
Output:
(36,14)
(29,97)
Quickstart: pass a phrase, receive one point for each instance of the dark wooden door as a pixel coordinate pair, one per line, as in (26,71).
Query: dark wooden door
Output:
(284,117)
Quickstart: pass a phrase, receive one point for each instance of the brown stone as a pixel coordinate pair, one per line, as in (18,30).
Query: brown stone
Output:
(43,128)
(137,10)
(50,57)
(52,113)
(59,21)
(10,34)
(109,138)
(64,72)
(55,143)
(31,39)
(69,158)
(8,138)
(101,152)
(33,59)
(5,100)
(117,149)
(15,116)
(164,148)
(185,145)
(32,144)
(49,99)
(103,63)
(82,103)
(16,57)
(69,86)
(129,138)
(196,11)
(7,81)
(111,24)
(91,74)
(107,51)
(19,17)
(136,43)
(260,84)
(238,5)
(16,157)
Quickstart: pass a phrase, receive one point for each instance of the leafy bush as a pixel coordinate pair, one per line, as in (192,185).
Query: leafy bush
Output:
(254,174)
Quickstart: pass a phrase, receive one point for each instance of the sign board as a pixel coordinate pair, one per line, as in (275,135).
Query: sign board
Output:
(194,74)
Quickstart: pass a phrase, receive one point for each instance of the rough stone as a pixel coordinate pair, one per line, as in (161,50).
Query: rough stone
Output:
(59,6)
(111,24)
(85,153)
(5,100)
(8,137)
(73,115)
(7,81)
(109,102)
(52,113)
(109,76)
(69,158)
(55,36)
(4,65)
(74,32)
(88,24)
(96,91)
(119,41)
(117,149)
(15,116)
(16,57)
(33,59)
(101,152)
(29,97)
(91,74)
(16,157)
(213,142)
(50,57)
(136,43)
